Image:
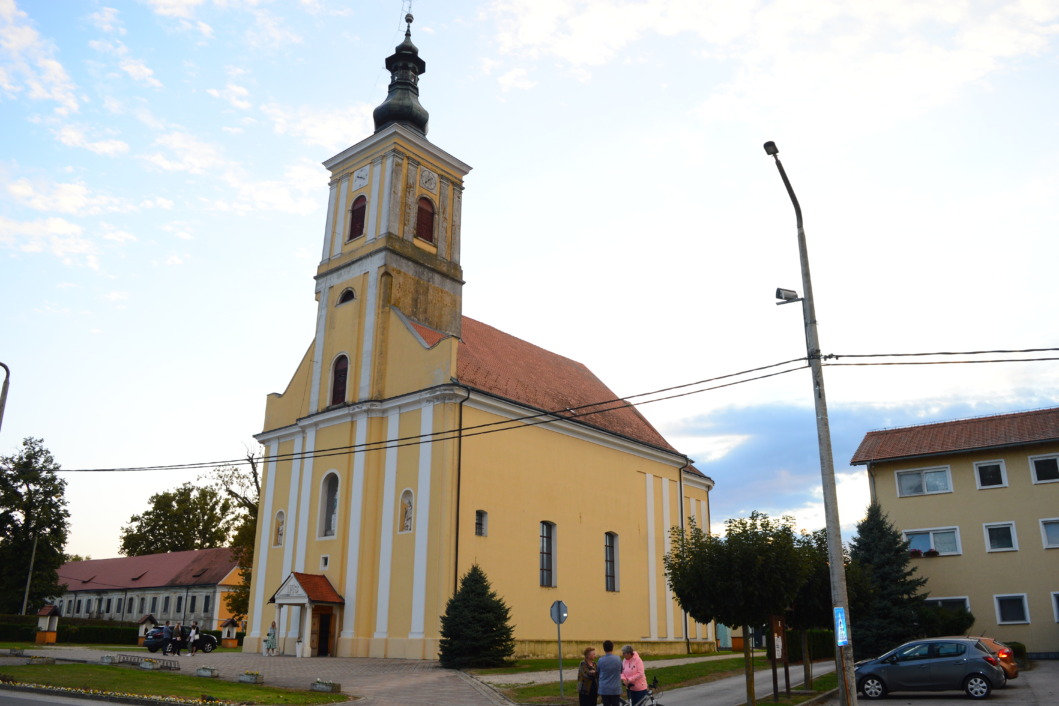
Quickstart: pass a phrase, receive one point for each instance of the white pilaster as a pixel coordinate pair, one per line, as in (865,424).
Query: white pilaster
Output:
(305,523)
(670,624)
(387,186)
(382,611)
(652,569)
(296,519)
(341,218)
(367,348)
(318,346)
(265,523)
(373,210)
(422,523)
(329,222)
(356,508)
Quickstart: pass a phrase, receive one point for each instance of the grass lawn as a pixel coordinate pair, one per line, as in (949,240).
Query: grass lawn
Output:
(136,681)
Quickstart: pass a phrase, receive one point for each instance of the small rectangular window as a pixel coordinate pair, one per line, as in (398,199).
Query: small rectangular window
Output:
(165,604)
(610,561)
(1055,605)
(927,481)
(1050,532)
(1045,469)
(191,604)
(154,604)
(1012,609)
(547,554)
(108,605)
(481,523)
(206,603)
(78,607)
(179,604)
(142,602)
(943,540)
(117,608)
(1000,537)
(324,561)
(990,474)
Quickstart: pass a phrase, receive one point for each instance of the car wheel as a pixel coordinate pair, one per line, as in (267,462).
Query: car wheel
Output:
(977,686)
(873,688)
(152,650)
(208,646)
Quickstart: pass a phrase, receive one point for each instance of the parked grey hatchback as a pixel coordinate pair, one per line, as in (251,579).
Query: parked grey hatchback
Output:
(940,664)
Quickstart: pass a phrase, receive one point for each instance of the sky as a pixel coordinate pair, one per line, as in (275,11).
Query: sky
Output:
(162,208)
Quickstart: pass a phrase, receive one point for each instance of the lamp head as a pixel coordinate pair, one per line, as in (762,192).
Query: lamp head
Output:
(771,149)
(787,296)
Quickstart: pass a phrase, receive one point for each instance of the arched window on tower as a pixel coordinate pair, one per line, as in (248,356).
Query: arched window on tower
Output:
(425,220)
(329,506)
(347,295)
(339,374)
(356,218)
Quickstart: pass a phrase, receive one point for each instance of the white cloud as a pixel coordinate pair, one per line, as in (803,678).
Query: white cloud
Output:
(72,198)
(173,260)
(179,230)
(327,127)
(56,236)
(268,31)
(185,153)
(28,64)
(116,296)
(135,68)
(183,9)
(73,136)
(116,236)
(516,78)
(107,20)
(233,94)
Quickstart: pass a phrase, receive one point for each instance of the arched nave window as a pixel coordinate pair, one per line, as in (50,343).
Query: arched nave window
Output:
(356,217)
(329,505)
(339,375)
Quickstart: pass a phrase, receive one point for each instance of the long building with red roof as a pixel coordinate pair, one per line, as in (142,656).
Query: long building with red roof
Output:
(413,442)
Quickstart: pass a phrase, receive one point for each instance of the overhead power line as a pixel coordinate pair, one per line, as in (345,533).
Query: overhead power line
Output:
(594,408)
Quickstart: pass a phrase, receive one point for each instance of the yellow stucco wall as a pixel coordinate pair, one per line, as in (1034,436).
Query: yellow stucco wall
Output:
(976,573)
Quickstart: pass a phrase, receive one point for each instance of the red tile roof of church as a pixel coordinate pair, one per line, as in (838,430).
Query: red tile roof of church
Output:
(1014,429)
(190,568)
(504,366)
(317,588)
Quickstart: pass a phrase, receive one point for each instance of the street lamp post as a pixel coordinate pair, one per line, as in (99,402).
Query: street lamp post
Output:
(847,688)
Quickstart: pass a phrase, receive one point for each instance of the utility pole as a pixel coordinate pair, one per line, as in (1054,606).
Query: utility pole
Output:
(847,686)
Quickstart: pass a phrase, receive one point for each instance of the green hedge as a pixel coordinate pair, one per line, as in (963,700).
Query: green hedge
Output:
(821,645)
(97,634)
(17,633)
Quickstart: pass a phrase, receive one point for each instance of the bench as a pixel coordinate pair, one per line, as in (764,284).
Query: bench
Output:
(163,663)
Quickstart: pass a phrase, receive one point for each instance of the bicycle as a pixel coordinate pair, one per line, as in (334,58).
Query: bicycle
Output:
(653,692)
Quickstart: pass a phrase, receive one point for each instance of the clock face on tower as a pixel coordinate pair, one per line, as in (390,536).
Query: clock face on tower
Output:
(360,178)
(428,180)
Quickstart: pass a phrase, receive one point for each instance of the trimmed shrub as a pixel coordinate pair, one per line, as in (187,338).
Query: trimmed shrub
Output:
(18,633)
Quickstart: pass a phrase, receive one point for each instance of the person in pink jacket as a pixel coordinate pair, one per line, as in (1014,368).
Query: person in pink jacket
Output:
(633,675)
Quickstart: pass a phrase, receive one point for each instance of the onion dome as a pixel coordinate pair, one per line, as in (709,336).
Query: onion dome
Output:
(402,99)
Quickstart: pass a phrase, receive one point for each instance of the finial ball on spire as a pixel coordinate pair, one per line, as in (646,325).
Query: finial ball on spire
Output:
(408,18)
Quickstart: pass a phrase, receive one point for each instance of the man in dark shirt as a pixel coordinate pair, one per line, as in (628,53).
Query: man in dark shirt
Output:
(609,669)
(167,638)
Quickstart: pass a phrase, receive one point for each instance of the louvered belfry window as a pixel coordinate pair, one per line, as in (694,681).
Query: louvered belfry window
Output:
(338,381)
(425,220)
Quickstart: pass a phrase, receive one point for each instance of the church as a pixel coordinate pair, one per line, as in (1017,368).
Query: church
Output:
(413,442)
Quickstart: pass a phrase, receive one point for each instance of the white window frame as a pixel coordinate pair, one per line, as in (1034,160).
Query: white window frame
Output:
(1003,474)
(1025,607)
(325,561)
(1014,536)
(1033,469)
(931,531)
(948,478)
(1044,535)
(1055,605)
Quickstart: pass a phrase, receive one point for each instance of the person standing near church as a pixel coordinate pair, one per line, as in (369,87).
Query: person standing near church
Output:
(587,679)
(167,638)
(633,674)
(608,671)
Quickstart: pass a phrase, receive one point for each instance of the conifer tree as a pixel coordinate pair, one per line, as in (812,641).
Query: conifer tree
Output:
(890,600)
(475,629)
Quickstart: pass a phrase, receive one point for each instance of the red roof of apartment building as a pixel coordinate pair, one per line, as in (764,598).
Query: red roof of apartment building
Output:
(190,568)
(507,367)
(1014,429)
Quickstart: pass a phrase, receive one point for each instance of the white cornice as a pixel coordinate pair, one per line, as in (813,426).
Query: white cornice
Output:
(373,142)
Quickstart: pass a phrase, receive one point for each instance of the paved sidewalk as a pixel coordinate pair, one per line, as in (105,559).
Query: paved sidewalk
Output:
(382,682)
(570,670)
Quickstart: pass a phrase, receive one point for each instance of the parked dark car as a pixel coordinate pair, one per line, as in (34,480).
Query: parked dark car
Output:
(940,664)
(154,641)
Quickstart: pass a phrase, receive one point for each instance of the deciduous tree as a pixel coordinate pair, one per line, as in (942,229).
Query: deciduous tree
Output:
(32,511)
(750,574)
(243,487)
(188,517)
